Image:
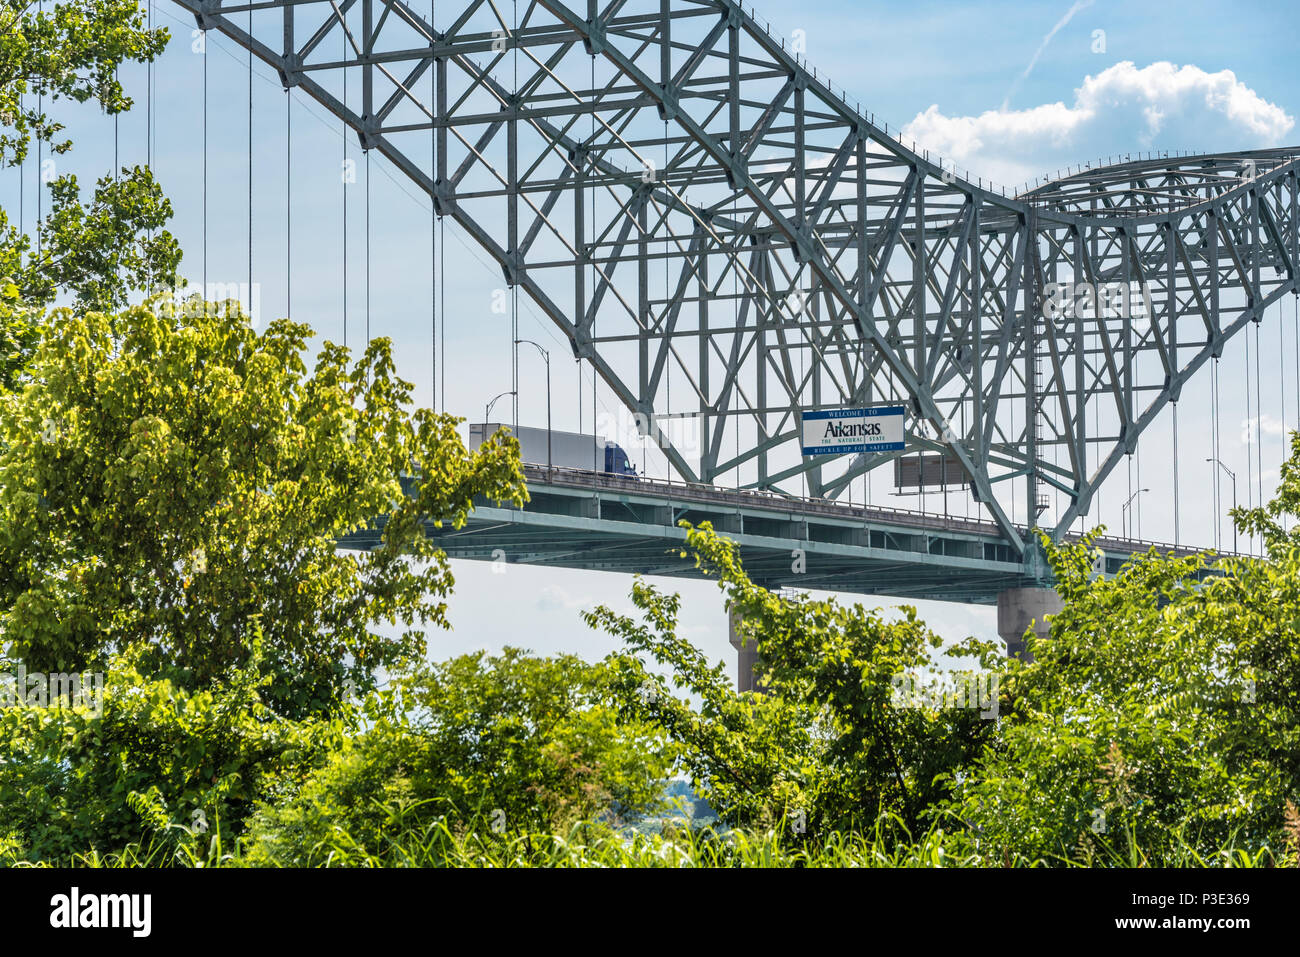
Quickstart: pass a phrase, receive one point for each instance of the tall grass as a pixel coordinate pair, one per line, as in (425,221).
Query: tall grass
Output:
(446,843)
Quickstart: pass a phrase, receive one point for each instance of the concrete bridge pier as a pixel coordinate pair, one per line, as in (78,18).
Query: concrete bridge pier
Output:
(1018,608)
(746,656)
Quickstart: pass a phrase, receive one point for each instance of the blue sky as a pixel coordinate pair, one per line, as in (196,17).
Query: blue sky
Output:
(952,75)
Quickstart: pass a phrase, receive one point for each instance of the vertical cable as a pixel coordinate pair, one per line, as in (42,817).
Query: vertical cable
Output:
(442,302)
(1127,520)
(205,164)
(433,221)
(514,199)
(1138,504)
(250,171)
(1096,425)
(1177,538)
(1259,428)
(1281,392)
(343,175)
(1214,442)
(514,352)
(117,162)
(367,248)
(1252,426)
(148,105)
(1281,366)
(591,92)
(22,183)
(288,201)
(40,173)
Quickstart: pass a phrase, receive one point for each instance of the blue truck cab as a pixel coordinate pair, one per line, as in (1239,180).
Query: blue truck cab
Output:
(616,462)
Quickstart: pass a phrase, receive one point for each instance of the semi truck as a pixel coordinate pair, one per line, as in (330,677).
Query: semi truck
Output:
(569,450)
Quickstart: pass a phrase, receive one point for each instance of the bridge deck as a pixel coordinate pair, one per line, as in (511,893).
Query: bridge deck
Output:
(595,521)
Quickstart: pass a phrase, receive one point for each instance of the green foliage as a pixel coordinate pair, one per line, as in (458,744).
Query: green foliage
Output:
(171,481)
(19,333)
(71,49)
(823,744)
(160,765)
(96,252)
(1159,720)
(1165,701)
(518,742)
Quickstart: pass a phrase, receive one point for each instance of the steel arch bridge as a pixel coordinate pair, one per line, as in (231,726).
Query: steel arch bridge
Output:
(730,242)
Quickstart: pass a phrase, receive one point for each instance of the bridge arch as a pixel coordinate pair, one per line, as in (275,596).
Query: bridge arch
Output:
(693,206)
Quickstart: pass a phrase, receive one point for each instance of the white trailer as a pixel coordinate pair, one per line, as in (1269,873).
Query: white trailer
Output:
(568,450)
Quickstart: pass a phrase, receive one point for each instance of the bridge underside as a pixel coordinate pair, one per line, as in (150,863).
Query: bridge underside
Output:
(602,522)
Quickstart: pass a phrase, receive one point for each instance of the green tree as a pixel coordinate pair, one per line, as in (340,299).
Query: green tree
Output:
(1162,710)
(94,251)
(825,746)
(506,744)
(171,481)
(19,333)
(144,762)
(72,50)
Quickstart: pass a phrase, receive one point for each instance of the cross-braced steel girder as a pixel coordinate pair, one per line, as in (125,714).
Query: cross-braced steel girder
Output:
(727,240)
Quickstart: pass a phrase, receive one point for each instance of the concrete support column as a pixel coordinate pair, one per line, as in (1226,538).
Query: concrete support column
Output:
(1018,608)
(746,657)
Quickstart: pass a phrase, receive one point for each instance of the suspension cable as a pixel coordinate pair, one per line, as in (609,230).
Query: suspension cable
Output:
(668,366)
(250,171)
(22,181)
(1281,365)
(1125,520)
(1177,539)
(117,162)
(343,177)
(148,105)
(1259,427)
(204,40)
(433,222)
(1138,504)
(1252,433)
(288,201)
(1281,388)
(1215,464)
(442,301)
(367,247)
(591,92)
(40,172)
(514,199)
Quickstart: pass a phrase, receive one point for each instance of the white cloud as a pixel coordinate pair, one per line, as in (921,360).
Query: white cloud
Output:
(1121,109)
(556,598)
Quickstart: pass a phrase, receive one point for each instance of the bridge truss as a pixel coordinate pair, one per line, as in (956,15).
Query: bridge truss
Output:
(729,242)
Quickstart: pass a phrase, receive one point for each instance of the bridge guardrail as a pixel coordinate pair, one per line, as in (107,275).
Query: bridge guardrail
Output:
(761,498)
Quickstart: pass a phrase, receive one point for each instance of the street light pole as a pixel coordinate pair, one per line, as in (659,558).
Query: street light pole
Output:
(487,411)
(547,357)
(1128,531)
(1232,475)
